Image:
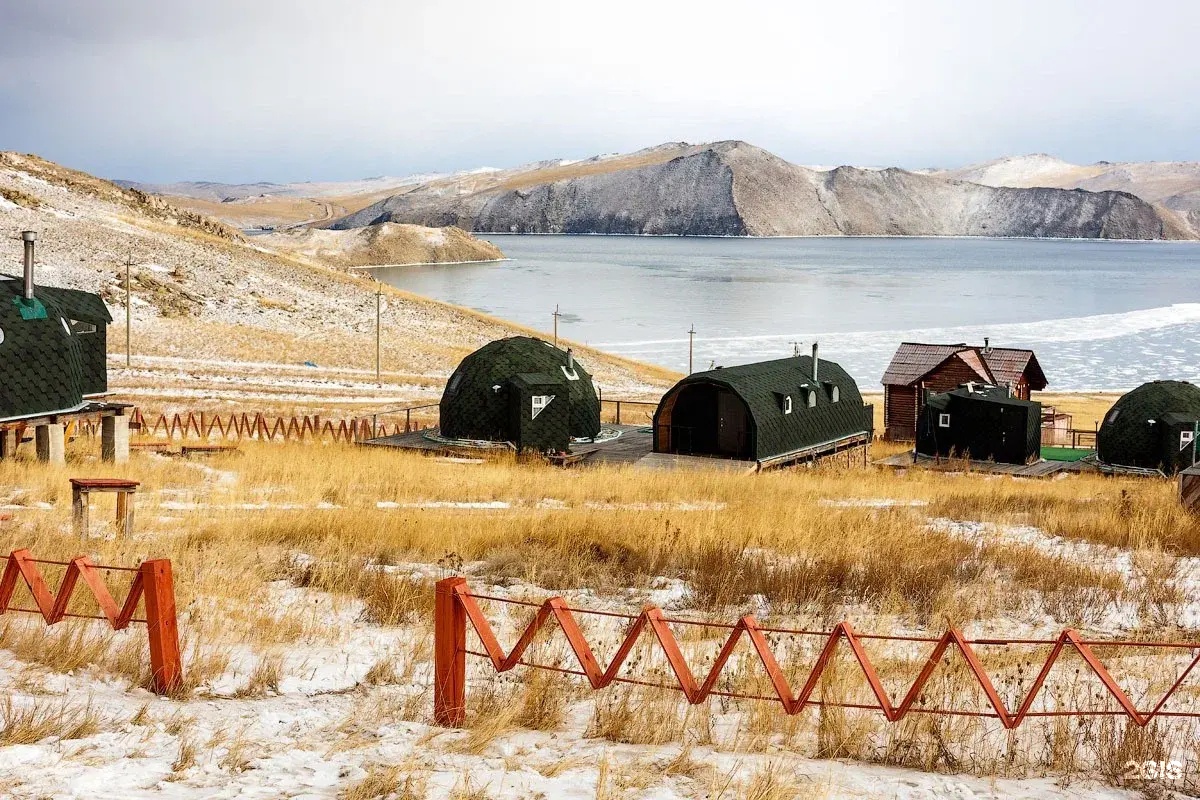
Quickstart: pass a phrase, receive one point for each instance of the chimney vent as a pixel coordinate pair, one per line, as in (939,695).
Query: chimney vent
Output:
(987,344)
(815,362)
(570,359)
(29,237)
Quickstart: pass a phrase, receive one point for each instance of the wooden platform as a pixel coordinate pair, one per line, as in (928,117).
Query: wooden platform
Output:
(672,461)
(1038,469)
(634,442)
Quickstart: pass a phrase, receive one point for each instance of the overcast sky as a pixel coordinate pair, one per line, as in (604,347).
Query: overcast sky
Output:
(259,89)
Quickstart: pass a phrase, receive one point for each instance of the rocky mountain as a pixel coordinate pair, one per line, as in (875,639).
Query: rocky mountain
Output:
(217,316)
(1170,185)
(735,189)
(384,243)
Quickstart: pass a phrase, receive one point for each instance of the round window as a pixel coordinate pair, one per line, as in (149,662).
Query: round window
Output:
(66,327)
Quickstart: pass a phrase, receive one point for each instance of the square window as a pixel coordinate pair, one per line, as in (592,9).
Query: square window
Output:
(943,420)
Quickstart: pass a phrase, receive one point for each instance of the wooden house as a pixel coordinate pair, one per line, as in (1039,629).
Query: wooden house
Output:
(918,370)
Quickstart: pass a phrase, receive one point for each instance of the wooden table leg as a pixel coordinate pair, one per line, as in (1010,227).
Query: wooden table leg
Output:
(79,506)
(125,512)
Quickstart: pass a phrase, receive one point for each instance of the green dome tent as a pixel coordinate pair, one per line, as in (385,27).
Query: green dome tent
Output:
(521,390)
(1152,427)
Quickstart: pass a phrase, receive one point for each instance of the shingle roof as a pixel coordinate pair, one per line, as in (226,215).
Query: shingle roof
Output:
(998,365)
(762,386)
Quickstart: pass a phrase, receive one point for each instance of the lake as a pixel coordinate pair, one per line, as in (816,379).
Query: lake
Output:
(1101,315)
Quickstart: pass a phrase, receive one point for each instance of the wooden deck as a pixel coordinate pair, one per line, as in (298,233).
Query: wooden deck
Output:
(1038,469)
(672,461)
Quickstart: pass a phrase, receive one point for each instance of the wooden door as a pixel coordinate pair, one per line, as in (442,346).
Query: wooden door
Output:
(731,424)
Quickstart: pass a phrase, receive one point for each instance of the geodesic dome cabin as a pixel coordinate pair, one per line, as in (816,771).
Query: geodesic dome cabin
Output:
(771,412)
(1153,427)
(52,346)
(984,423)
(521,390)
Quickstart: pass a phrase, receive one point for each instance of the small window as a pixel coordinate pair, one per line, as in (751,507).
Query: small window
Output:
(455,380)
(1112,415)
(834,393)
(1,335)
(787,404)
(1186,438)
(66,327)
(540,401)
(812,398)
(943,420)
(78,327)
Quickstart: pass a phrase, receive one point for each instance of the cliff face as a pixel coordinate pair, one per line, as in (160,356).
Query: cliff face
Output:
(736,189)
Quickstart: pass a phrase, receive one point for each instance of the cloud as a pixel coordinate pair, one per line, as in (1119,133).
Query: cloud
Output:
(291,90)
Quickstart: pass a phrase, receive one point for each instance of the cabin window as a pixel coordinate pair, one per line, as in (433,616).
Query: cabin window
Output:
(78,327)
(787,404)
(455,380)
(66,327)
(540,401)
(833,391)
(812,398)
(1,335)
(1186,438)
(943,420)
(1112,415)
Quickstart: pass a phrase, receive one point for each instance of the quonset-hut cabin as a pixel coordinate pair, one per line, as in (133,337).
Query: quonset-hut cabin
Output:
(983,423)
(917,370)
(52,357)
(1154,427)
(521,390)
(771,412)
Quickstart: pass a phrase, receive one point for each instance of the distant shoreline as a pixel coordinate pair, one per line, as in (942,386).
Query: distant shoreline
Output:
(847,236)
(434,263)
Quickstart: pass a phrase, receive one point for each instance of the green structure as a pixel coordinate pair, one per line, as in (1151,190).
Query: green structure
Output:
(1153,427)
(521,390)
(771,412)
(984,423)
(52,348)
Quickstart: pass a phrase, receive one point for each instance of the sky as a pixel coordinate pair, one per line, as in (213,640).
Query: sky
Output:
(160,90)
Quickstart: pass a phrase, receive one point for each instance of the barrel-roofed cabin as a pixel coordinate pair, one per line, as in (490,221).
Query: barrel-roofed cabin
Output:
(770,412)
(919,370)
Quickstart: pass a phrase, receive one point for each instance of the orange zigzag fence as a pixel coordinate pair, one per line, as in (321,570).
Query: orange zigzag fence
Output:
(455,606)
(152,582)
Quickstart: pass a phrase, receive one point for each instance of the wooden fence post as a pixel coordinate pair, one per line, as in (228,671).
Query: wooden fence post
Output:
(449,655)
(166,668)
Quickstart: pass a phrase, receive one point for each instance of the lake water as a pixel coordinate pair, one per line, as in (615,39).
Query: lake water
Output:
(1099,314)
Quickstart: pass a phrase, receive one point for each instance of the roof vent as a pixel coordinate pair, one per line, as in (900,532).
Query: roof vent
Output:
(29,237)
(814,374)
(987,344)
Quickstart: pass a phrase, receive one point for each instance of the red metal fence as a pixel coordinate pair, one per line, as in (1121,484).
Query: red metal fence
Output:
(152,581)
(456,606)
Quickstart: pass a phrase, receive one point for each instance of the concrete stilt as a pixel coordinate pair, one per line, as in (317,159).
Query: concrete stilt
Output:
(51,444)
(114,439)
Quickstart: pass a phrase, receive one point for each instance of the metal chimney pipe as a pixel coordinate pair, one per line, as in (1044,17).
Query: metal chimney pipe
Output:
(570,359)
(815,362)
(29,237)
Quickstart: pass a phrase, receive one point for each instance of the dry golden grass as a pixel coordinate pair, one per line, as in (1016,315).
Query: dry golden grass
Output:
(308,516)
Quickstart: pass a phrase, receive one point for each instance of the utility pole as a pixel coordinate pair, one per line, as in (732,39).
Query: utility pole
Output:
(691,342)
(128,314)
(378,333)
(556,315)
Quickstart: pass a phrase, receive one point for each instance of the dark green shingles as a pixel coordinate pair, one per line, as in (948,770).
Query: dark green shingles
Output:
(479,397)
(762,387)
(1142,428)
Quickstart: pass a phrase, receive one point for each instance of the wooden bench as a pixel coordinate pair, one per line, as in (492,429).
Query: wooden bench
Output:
(187,450)
(81,490)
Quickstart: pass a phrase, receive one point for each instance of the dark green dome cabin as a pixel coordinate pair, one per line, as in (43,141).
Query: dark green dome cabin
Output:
(770,412)
(521,390)
(984,423)
(52,346)
(1153,427)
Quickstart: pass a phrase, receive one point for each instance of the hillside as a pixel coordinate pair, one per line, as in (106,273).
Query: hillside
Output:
(386,243)
(1171,185)
(735,189)
(218,317)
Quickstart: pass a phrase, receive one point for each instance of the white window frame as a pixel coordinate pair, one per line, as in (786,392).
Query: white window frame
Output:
(538,403)
(943,420)
(787,404)
(812,398)
(1186,438)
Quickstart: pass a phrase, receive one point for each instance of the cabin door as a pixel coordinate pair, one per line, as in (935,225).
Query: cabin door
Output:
(731,424)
